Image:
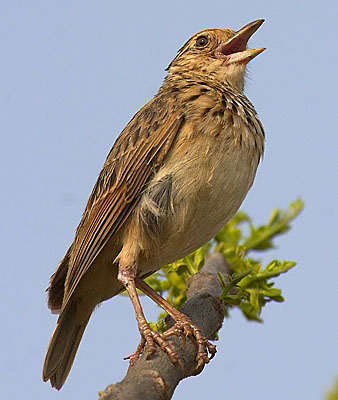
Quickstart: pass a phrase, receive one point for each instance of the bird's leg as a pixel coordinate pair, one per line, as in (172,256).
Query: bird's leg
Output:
(126,275)
(183,324)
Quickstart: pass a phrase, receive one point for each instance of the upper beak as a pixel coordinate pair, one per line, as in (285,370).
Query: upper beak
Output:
(234,49)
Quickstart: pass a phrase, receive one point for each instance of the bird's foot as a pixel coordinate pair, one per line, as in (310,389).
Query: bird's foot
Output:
(183,327)
(151,339)
(186,328)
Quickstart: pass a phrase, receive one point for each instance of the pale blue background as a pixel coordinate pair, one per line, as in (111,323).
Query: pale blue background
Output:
(72,73)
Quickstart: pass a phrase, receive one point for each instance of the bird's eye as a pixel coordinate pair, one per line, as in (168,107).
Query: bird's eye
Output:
(201,41)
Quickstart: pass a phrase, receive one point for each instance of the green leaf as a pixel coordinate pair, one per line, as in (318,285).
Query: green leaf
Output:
(278,223)
(234,280)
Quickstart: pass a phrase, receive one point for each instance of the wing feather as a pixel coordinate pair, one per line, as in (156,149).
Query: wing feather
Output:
(135,157)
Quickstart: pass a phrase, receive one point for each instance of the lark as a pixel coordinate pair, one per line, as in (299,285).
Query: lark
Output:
(177,173)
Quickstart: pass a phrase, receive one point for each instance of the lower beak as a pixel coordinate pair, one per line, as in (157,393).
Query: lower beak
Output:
(243,57)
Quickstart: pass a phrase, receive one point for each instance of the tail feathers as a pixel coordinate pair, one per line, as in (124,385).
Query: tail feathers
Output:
(57,284)
(63,345)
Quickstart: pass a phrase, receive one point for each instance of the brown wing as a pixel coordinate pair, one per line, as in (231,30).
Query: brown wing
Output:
(135,156)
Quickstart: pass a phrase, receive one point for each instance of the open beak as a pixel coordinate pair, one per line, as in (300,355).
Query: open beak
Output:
(234,49)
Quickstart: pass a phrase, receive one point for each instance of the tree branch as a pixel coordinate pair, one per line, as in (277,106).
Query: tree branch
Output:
(157,378)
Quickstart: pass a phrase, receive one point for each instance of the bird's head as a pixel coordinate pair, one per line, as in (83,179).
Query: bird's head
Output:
(217,54)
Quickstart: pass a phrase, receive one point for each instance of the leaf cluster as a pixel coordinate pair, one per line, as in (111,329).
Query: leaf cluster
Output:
(254,282)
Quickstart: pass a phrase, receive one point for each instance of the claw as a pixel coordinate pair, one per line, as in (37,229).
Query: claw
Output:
(183,327)
(151,338)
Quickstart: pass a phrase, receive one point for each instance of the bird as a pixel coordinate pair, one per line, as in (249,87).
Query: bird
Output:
(176,174)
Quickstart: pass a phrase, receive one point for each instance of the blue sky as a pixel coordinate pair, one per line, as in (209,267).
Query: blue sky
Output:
(72,74)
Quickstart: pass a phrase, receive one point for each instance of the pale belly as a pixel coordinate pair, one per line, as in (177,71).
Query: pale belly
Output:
(206,191)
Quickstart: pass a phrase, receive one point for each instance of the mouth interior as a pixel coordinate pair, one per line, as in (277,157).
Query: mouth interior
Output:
(235,45)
